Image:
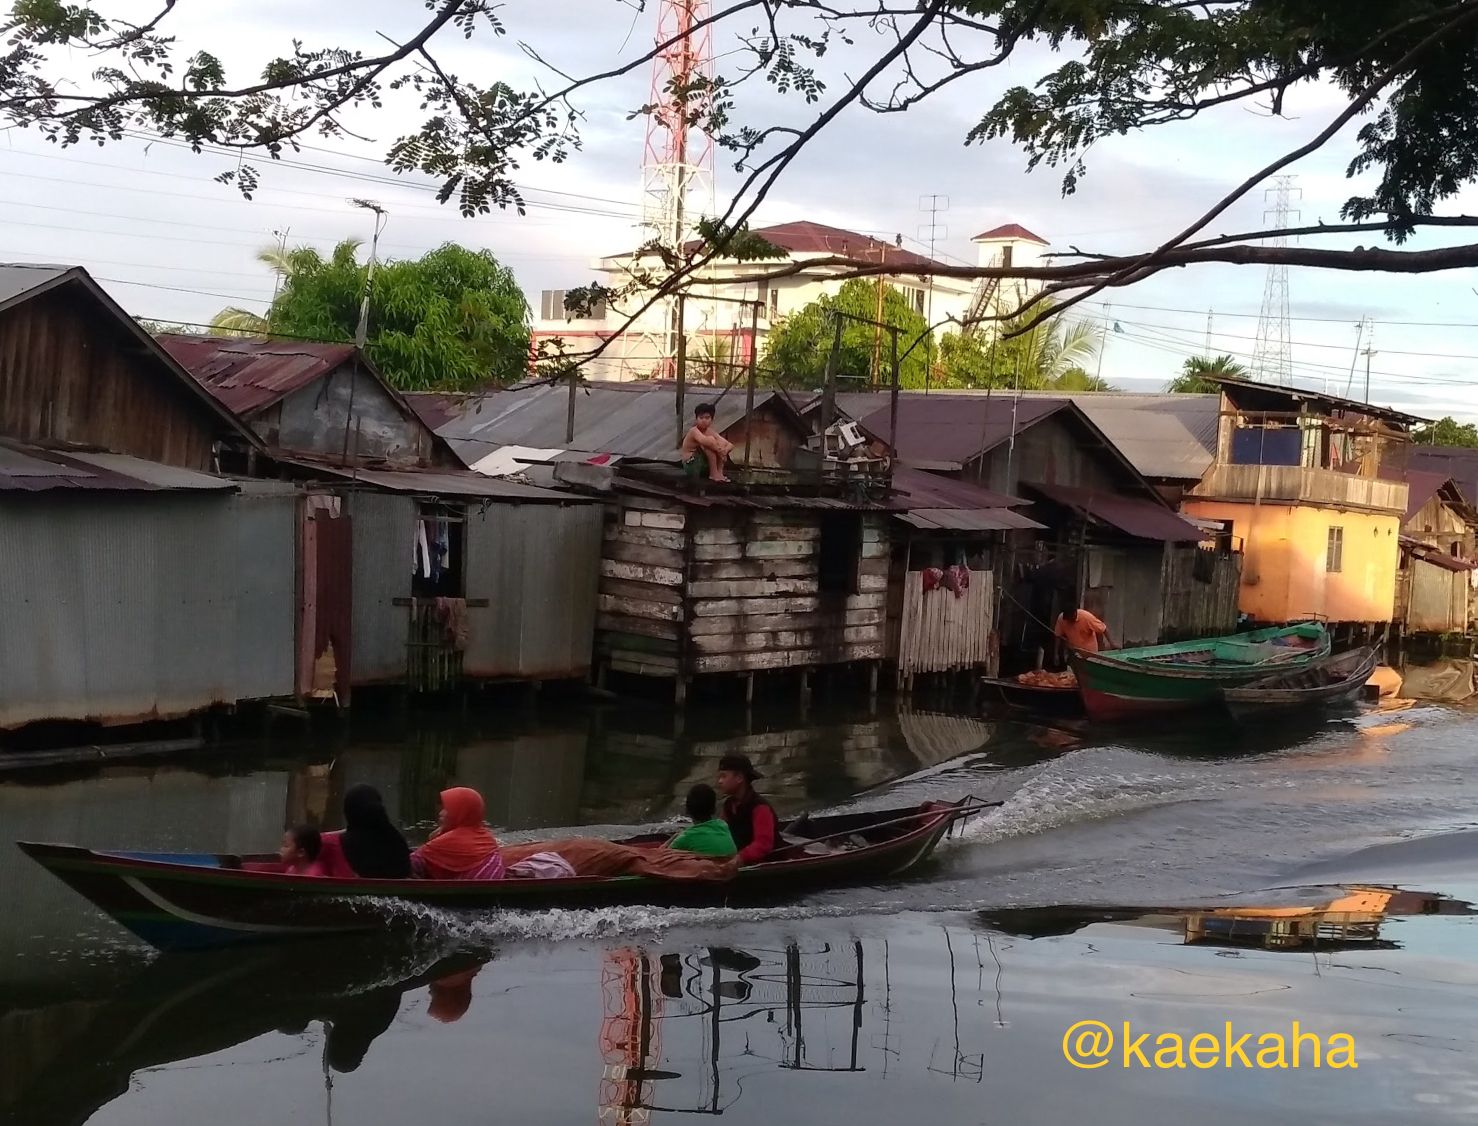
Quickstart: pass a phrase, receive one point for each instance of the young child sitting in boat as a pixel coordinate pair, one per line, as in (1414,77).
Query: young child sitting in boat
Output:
(709,834)
(299,852)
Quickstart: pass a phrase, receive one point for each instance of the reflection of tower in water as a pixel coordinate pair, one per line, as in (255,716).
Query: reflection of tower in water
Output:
(630,1041)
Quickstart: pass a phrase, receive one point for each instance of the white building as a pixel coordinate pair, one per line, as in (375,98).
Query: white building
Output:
(722,334)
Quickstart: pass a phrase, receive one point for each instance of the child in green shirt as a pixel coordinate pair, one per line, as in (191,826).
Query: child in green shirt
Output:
(709,834)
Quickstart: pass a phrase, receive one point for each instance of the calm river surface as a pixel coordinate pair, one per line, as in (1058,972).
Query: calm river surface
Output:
(1100,890)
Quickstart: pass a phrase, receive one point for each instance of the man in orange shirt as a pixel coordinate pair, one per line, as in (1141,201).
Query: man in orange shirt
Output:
(1078,629)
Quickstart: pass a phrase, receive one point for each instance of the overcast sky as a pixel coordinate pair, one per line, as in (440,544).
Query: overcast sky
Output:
(172,245)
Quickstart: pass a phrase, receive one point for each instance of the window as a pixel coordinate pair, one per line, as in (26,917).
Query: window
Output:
(774,301)
(1006,256)
(1334,559)
(918,301)
(840,553)
(552,308)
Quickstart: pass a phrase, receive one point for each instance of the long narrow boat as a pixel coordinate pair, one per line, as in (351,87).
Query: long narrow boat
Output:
(180,901)
(1336,680)
(1125,683)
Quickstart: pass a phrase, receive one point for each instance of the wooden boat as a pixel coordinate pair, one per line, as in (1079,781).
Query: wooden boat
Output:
(1335,680)
(1060,703)
(179,901)
(1124,683)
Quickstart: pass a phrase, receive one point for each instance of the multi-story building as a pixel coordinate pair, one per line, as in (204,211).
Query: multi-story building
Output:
(725,320)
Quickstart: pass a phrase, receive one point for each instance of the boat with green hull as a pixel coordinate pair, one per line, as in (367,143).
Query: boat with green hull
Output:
(1125,683)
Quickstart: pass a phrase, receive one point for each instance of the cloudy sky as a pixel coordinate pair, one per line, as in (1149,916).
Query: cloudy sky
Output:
(170,244)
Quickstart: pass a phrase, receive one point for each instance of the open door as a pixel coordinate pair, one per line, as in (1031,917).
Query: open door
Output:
(326,603)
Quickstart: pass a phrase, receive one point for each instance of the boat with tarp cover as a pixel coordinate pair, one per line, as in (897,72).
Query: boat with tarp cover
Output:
(179,901)
(1124,683)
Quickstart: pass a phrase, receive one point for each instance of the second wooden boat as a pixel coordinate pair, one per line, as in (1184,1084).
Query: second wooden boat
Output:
(1335,680)
(1124,683)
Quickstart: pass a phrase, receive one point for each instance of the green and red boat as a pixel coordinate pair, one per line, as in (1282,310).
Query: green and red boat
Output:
(1182,675)
(182,901)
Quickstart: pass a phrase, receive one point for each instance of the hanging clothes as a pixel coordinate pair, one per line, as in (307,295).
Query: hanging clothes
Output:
(441,548)
(421,552)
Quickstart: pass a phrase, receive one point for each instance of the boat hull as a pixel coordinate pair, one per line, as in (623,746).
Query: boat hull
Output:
(192,901)
(1307,689)
(1126,684)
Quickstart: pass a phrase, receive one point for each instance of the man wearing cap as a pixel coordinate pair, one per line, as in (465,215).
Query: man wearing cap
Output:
(750,817)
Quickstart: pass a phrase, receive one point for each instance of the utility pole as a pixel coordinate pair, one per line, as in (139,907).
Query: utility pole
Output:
(1355,355)
(1208,333)
(1273,353)
(1367,353)
(361,333)
(277,273)
(1102,339)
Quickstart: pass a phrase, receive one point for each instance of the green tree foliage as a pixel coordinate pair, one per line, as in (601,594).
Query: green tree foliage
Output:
(796,352)
(1094,69)
(1053,356)
(451,320)
(1193,380)
(1446,432)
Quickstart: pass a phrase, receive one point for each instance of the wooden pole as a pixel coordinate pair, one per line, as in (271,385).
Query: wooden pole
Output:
(682,369)
(828,381)
(570,410)
(754,365)
(893,404)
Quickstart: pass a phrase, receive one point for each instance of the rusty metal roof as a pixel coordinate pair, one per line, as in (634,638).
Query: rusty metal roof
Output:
(31,469)
(1141,518)
(945,504)
(246,376)
(762,501)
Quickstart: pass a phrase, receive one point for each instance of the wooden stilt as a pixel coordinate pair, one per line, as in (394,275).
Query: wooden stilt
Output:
(874,668)
(749,690)
(680,692)
(805,690)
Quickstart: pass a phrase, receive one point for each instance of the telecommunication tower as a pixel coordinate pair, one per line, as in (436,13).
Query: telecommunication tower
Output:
(677,167)
(1272,358)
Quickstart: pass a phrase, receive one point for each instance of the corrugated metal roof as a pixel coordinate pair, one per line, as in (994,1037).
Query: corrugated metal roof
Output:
(630,419)
(1168,437)
(1245,389)
(930,490)
(246,376)
(762,501)
(951,428)
(1422,487)
(1458,462)
(1429,553)
(447,483)
(18,279)
(26,468)
(967,520)
(1142,518)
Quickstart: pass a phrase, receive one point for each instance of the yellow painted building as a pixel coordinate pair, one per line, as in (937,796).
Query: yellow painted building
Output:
(1312,487)
(1302,561)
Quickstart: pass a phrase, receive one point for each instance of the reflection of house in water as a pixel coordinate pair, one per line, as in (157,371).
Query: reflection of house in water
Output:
(804,761)
(1312,919)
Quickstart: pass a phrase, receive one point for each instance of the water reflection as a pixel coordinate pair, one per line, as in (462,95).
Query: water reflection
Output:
(1325,919)
(64,1062)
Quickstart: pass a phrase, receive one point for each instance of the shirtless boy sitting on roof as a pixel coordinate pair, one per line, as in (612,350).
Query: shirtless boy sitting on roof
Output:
(713,447)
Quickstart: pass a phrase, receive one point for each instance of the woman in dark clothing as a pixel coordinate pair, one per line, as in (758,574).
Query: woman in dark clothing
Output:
(372,845)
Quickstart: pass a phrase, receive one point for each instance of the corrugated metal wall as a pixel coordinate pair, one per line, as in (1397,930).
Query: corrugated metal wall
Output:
(538,566)
(383,526)
(266,519)
(1438,602)
(116,606)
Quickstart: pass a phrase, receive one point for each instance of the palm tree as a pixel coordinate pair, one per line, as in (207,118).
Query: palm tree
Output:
(1048,355)
(286,264)
(1195,372)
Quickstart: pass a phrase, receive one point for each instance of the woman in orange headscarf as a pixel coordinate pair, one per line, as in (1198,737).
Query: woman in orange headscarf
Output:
(462,847)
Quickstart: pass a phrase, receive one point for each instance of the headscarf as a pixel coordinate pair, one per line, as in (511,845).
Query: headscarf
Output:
(465,842)
(451,996)
(372,845)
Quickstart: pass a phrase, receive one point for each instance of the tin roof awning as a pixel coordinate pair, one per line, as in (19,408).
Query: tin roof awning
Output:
(1133,516)
(443,483)
(967,520)
(1429,553)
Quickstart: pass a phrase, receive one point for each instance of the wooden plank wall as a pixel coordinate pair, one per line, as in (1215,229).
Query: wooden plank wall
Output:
(727,590)
(643,570)
(755,600)
(1200,599)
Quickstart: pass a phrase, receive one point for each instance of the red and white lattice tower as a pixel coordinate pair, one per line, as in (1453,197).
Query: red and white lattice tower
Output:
(677,167)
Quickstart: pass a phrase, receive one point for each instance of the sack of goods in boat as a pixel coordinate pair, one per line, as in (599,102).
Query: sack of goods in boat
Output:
(1042,678)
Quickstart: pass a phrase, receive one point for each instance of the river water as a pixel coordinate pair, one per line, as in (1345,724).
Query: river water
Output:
(1182,880)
